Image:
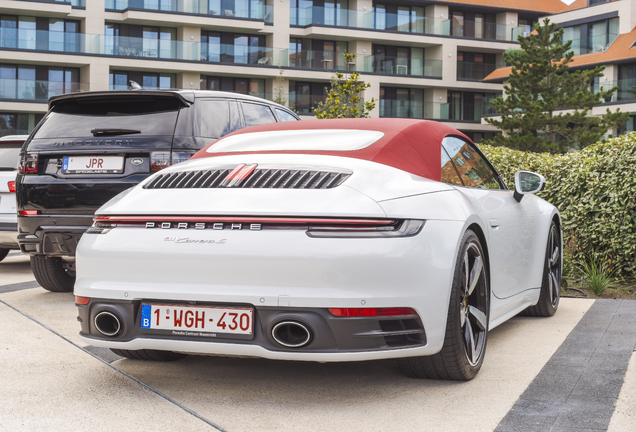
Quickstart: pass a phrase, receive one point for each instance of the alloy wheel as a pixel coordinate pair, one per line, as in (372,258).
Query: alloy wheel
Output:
(473,304)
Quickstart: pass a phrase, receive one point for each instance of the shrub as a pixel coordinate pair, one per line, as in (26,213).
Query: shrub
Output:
(595,191)
(597,276)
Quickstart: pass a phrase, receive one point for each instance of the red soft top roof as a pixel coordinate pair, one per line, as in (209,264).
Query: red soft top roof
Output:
(410,145)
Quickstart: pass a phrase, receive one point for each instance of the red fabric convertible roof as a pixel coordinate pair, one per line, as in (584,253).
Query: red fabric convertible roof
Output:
(413,146)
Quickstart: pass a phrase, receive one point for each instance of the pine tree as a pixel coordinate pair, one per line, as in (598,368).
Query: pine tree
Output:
(344,98)
(546,105)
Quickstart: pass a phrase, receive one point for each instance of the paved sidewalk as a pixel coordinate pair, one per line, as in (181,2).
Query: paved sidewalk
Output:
(570,372)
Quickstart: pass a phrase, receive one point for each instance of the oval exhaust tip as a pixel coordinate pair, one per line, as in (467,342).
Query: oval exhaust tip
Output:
(107,323)
(291,334)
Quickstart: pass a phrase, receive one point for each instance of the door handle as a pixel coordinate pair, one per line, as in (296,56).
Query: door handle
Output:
(494,223)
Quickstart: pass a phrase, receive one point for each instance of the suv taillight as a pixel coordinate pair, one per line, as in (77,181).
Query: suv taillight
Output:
(11,185)
(28,163)
(163,159)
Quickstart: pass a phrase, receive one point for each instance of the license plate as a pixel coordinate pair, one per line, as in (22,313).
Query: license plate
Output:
(93,165)
(197,318)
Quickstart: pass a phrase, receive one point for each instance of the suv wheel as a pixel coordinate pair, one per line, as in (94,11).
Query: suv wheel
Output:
(51,274)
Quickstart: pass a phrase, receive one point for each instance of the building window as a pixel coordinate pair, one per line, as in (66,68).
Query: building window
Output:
(23,82)
(626,82)
(140,41)
(234,48)
(305,96)
(330,12)
(468,106)
(402,103)
(475,66)
(592,37)
(393,60)
(317,54)
(389,16)
(18,123)
(247,86)
(148,80)
(629,126)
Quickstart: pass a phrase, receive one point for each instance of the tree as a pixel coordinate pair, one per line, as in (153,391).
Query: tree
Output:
(280,89)
(545,105)
(344,98)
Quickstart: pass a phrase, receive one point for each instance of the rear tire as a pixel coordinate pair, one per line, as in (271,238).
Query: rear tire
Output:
(4,253)
(551,283)
(464,347)
(148,354)
(50,273)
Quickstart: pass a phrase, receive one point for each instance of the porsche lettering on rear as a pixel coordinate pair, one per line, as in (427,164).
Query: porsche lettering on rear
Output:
(203,225)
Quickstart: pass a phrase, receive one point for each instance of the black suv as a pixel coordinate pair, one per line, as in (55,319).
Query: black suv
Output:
(91,146)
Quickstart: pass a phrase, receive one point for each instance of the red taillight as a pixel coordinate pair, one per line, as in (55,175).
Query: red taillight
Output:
(28,163)
(82,300)
(29,212)
(159,160)
(371,312)
(11,185)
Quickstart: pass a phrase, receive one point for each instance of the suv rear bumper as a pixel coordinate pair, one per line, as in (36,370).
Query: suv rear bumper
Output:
(52,235)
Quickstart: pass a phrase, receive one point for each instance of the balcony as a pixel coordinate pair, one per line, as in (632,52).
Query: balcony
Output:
(626,89)
(316,15)
(53,41)
(595,44)
(122,46)
(474,71)
(400,66)
(243,54)
(434,110)
(321,60)
(35,90)
(73,3)
(250,10)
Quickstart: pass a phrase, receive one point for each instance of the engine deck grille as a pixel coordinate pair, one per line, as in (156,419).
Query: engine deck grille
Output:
(262,178)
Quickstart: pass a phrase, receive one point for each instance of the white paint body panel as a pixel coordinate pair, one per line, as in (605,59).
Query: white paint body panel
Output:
(134,263)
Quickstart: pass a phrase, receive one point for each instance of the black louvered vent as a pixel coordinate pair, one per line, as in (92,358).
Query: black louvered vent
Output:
(265,178)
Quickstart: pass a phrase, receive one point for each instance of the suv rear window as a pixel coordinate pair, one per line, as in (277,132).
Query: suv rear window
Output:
(9,156)
(77,118)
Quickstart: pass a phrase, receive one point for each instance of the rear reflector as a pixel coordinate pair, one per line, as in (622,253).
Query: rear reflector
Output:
(29,212)
(371,312)
(11,185)
(82,300)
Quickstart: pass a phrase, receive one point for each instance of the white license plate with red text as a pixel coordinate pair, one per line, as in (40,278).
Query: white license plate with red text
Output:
(197,318)
(93,165)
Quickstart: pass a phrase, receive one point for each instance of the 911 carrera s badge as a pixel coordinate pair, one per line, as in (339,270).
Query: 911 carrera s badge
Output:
(191,240)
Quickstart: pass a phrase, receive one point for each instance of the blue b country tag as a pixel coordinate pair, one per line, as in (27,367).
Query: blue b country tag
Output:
(65,164)
(146,311)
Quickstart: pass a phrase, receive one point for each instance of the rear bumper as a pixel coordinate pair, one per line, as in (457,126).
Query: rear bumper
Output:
(52,235)
(332,337)
(8,235)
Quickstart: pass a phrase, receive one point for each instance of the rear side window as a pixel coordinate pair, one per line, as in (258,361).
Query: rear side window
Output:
(284,116)
(256,114)
(143,115)
(9,155)
(449,173)
(213,118)
(474,170)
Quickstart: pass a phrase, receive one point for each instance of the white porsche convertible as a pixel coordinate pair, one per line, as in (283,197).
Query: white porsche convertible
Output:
(323,240)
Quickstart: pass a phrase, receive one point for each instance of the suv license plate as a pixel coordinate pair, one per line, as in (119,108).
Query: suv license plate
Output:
(93,165)
(197,318)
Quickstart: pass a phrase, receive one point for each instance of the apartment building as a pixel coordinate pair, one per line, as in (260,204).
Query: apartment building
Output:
(423,59)
(602,33)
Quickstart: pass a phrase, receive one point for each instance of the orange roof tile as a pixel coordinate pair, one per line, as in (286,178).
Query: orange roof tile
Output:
(620,49)
(547,6)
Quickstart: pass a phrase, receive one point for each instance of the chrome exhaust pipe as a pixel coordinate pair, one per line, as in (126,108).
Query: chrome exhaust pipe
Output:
(291,334)
(107,323)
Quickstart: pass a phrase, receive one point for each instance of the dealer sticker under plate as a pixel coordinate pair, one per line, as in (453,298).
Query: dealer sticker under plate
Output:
(93,165)
(200,318)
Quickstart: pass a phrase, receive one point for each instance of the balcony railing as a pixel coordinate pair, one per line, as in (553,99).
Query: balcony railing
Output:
(73,3)
(595,44)
(402,66)
(123,46)
(37,90)
(323,60)
(626,89)
(473,70)
(243,54)
(434,110)
(317,15)
(55,41)
(252,9)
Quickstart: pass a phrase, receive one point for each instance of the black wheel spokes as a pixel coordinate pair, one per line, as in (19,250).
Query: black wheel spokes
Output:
(473,307)
(554,267)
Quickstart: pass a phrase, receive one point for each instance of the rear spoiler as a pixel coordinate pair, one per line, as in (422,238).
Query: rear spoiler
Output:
(187,97)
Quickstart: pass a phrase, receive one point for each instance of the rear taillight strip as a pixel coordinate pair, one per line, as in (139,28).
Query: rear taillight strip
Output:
(228,219)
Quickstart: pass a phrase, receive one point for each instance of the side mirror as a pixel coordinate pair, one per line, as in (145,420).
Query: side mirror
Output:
(527,182)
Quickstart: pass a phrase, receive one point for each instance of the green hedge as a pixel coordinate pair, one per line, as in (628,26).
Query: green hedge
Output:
(595,191)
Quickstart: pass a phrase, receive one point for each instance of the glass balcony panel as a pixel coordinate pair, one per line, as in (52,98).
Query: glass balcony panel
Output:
(123,46)
(244,54)
(473,70)
(37,90)
(43,40)
(400,66)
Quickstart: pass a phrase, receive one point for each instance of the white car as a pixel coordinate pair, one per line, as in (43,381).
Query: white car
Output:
(9,157)
(325,240)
